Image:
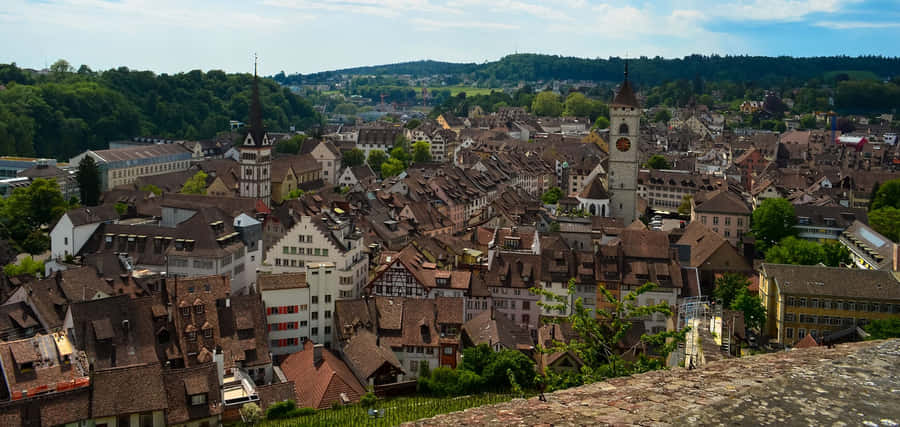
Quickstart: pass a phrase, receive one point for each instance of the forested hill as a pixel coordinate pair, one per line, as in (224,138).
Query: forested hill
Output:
(648,71)
(414,69)
(63,112)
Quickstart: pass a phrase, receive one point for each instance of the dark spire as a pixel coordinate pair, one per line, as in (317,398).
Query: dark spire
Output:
(625,97)
(256,123)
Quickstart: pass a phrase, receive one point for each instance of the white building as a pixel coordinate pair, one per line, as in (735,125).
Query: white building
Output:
(286,298)
(326,238)
(76,227)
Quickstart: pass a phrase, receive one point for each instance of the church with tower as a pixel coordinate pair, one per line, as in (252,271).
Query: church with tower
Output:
(256,154)
(624,134)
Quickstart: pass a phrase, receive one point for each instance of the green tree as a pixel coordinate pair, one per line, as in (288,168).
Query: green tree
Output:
(773,220)
(684,209)
(251,413)
(835,254)
(46,202)
(291,145)
(88,177)
(61,66)
(601,123)
(662,116)
(658,161)
(392,167)
(547,104)
(496,373)
(153,189)
(792,250)
(888,194)
(886,221)
(412,124)
(874,194)
(882,329)
(780,126)
(121,208)
(600,332)
(751,306)
(551,196)
(728,286)
(196,184)
(476,358)
(421,152)
(401,153)
(26,266)
(295,193)
(353,157)
(808,121)
(36,243)
(376,159)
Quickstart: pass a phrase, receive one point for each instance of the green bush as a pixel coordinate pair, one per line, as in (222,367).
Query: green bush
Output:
(368,400)
(281,410)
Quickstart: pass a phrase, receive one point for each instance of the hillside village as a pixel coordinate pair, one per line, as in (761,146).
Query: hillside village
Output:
(212,274)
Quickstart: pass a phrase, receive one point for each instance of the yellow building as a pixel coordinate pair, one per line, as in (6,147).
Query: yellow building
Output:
(816,300)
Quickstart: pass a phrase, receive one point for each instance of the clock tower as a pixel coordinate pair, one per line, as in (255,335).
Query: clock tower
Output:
(256,153)
(624,134)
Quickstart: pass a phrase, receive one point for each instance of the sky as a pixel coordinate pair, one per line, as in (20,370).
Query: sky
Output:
(169,36)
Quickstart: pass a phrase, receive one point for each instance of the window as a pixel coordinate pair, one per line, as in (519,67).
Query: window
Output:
(789,317)
(198,399)
(314,331)
(715,220)
(207,333)
(191,336)
(198,309)
(186,311)
(327,330)
(526,318)
(314,315)
(303,323)
(789,332)
(324,252)
(314,299)
(414,366)
(420,349)
(801,333)
(703,219)
(328,314)
(727,220)
(327,299)
(448,351)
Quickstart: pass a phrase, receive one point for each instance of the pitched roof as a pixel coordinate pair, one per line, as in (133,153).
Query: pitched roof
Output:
(366,355)
(594,190)
(275,282)
(644,243)
(490,327)
(179,409)
(833,281)
(141,152)
(128,390)
(318,385)
(722,201)
(625,96)
(92,214)
(703,242)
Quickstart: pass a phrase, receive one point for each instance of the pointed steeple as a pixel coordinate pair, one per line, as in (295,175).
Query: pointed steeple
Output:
(256,124)
(625,97)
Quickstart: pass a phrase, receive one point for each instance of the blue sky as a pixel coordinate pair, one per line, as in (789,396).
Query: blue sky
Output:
(315,35)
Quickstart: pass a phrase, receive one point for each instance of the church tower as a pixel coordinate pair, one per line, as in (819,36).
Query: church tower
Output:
(256,153)
(624,134)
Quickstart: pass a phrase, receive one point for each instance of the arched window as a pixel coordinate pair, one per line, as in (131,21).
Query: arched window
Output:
(623,129)
(603,210)
(593,209)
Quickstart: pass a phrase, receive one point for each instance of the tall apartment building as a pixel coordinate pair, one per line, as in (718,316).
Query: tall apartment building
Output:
(286,300)
(329,237)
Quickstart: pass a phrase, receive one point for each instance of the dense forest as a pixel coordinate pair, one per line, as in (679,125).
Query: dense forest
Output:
(512,69)
(64,111)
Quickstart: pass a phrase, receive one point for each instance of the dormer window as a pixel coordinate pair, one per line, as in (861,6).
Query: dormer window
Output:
(198,399)
(186,311)
(208,333)
(191,336)
(198,309)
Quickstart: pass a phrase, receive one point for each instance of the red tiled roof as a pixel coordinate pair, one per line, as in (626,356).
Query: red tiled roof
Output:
(318,385)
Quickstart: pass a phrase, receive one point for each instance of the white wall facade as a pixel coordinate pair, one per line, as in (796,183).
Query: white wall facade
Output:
(280,321)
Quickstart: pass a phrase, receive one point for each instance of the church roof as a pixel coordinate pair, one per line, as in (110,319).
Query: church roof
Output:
(625,97)
(257,133)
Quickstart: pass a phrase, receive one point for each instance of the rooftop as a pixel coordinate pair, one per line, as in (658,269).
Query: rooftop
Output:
(849,384)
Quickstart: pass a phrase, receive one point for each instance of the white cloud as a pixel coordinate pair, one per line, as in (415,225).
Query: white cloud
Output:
(433,25)
(855,25)
(383,8)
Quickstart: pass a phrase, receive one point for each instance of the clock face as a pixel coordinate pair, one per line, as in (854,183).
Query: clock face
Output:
(623,144)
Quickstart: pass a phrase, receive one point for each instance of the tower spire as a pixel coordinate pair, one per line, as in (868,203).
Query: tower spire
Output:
(256,124)
(626,69)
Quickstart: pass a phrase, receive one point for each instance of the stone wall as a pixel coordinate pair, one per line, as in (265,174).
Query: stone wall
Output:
(851,384)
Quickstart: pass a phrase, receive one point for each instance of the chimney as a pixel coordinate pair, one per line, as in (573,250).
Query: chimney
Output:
(317,353)
(219,358)
(895,252)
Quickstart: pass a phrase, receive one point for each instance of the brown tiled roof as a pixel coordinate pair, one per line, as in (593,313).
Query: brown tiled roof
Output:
(128,390)
(490,327)
(366,355)
(275,393)
(722,201)
(449,310)
(100,330)
(625,97)
(179,409)
(274,282)
(594,190)
(833,281)
(390,312)
(318,385)
(645,243)
(92,214)
(703,242)
(15,318)
(82,283)
(419,326)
